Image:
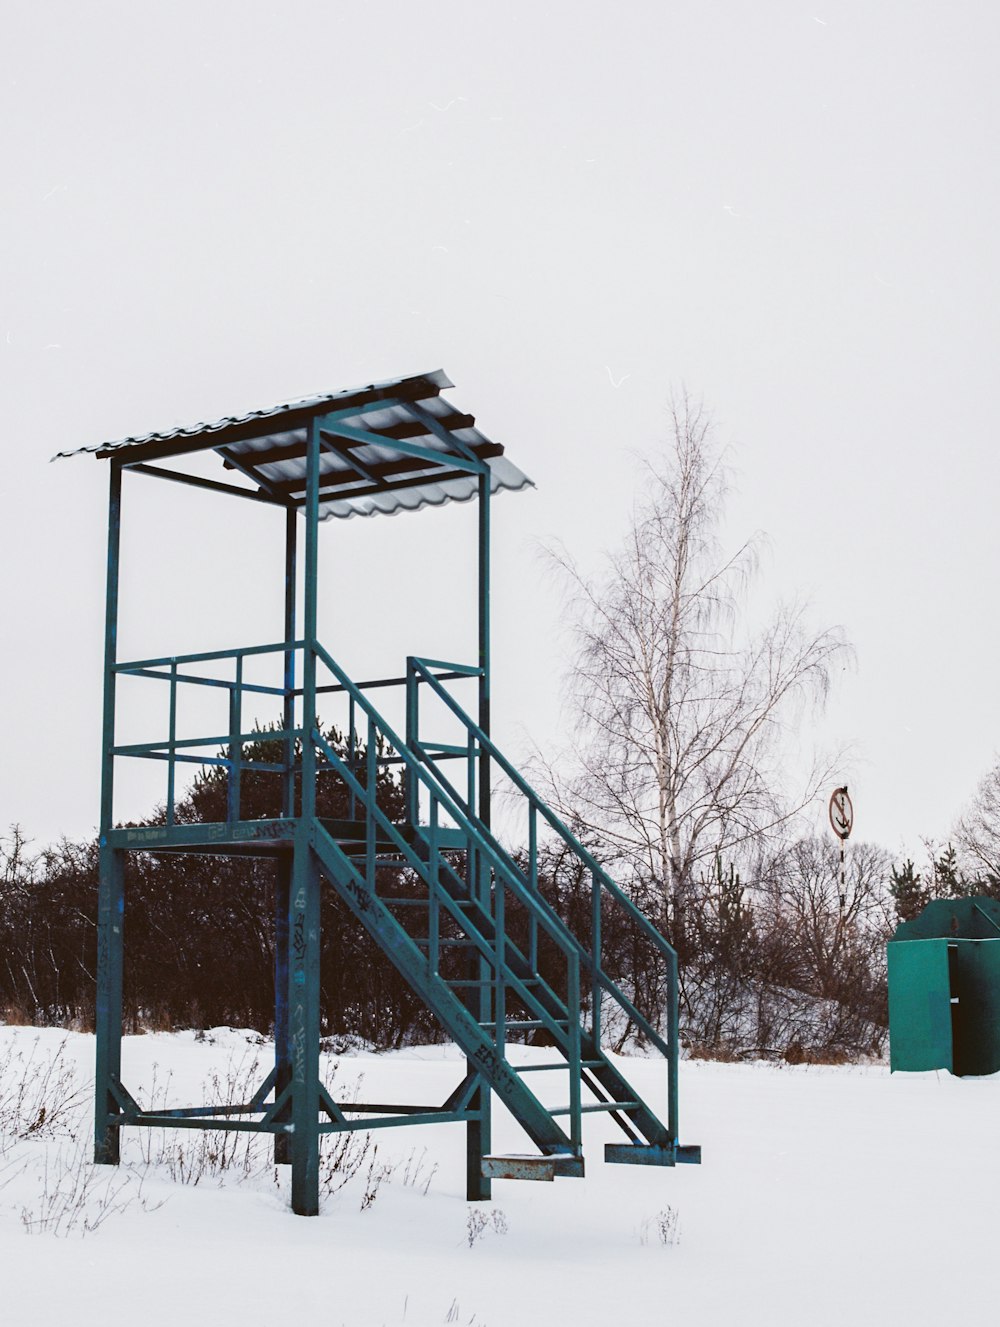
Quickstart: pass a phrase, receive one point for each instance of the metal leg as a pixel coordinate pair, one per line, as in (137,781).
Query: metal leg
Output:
(477,1187)
(478,1138)
(110,918)
(303,1002)
(111,889)
(282,1056)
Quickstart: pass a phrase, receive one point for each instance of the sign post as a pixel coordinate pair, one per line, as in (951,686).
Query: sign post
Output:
(841,812)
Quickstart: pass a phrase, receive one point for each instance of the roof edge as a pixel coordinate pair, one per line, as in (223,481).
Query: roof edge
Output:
(287,415)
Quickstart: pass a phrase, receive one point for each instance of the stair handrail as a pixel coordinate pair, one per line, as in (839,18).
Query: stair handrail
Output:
(418,669)
(521,783)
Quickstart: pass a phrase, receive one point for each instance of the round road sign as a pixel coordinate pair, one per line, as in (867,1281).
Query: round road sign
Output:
(841,813)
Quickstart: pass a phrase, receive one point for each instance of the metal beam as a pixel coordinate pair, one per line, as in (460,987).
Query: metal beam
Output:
(203,656)
(148,838)
(238,463)
(340,447)
(440,430)
(348,495)
(372,407)
(410,428)
(364,438)
(196,481)
(386,470)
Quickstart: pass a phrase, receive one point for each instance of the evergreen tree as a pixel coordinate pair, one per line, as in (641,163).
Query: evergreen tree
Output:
(949,880)
(909,891)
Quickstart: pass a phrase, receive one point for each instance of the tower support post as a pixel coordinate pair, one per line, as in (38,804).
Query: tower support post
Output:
(479,1127)
(303,1009)
(304,908)
(111,887)
(282,1049)
(283,875)
(108,1014)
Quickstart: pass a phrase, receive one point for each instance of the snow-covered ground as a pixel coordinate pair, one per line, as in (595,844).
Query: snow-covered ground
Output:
(827,1196)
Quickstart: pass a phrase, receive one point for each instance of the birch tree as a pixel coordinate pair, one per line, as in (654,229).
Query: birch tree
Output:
(681,714)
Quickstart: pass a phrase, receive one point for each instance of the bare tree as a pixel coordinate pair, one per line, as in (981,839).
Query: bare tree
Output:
(795,961)
(977,833)
(826,947)
(680,713)
(16,863)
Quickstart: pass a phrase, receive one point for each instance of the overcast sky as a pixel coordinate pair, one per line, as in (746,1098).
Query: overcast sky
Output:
(572,208)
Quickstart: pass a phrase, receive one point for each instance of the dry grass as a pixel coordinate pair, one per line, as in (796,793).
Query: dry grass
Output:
(794,1053)
(720,1051)
(799,1054)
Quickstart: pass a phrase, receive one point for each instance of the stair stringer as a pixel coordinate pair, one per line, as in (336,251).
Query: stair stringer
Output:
(606,1073)
(412,964)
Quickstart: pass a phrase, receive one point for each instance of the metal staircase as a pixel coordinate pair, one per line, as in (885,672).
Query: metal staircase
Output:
(464,889)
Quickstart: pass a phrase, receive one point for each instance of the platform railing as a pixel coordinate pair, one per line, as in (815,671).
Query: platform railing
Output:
(226,749)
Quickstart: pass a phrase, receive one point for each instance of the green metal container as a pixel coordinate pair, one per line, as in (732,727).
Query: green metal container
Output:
(944,988)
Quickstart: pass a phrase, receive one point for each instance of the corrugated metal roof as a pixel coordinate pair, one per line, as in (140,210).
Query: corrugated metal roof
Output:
(358,477)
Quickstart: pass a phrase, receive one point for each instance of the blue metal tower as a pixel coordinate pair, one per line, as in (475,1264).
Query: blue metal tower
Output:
(460,916)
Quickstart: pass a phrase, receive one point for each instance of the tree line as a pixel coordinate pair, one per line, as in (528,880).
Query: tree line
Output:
(762,969)
(775,961)
(677,778)
(768,965)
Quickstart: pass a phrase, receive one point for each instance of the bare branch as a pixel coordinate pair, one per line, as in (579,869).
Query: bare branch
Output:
(680,716)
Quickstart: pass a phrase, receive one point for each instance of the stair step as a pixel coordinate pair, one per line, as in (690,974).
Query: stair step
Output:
(560,1064)
(381,863)
(593,1106)
(455,944)
(532,1167)
(405,902)
(355,848)
(523,1024)
(651,1154)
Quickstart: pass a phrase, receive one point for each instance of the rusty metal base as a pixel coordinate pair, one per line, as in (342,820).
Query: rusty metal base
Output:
(533,1167)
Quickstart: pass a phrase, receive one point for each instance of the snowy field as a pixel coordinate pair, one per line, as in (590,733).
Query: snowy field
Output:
(827,1196)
